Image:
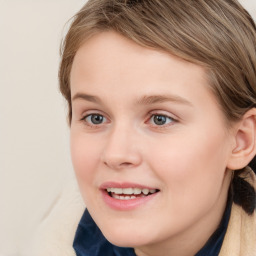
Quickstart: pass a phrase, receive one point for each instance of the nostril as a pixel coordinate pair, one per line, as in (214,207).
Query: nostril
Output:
(120,161)
(126,164)
(118,166)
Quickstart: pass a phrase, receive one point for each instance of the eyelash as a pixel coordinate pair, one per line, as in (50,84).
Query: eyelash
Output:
(166,117)
(152,115)
(90,124)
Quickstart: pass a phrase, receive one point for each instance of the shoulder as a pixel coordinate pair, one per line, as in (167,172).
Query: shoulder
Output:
(241,233)
(56,231)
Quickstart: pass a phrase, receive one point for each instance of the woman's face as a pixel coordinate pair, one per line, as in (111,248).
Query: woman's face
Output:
(149,144)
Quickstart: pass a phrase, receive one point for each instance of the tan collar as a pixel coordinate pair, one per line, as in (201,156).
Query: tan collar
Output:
(240,239)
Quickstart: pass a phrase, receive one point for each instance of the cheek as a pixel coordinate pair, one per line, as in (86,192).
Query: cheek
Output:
(191,167)
(85,158)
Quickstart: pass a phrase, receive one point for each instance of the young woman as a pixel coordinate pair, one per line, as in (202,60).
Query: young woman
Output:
(162,98)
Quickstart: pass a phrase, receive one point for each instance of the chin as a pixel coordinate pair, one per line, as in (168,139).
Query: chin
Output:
(125,238)
(125,241)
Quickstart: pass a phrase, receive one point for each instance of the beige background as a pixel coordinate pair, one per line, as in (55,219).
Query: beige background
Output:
(34,147)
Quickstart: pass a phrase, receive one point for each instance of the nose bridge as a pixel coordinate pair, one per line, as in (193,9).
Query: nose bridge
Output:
(121,148)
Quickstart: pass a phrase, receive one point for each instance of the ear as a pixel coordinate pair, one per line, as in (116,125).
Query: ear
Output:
(244,148)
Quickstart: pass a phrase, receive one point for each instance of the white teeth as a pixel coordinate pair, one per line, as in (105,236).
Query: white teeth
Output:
(123,197)
(116,190)
(145,191)
(116,196)
(130,191)
(137,191)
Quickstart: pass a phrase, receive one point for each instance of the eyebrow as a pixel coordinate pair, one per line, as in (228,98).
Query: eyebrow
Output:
(153,99)
(86,97)
(144,100)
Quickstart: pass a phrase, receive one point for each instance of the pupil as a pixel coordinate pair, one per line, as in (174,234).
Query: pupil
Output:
(97,119)
(159,120)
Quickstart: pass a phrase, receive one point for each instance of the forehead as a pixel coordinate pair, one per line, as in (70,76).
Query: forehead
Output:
(110,58)
(120,73)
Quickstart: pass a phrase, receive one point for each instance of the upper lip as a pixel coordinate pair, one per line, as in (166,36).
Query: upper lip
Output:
(112,184)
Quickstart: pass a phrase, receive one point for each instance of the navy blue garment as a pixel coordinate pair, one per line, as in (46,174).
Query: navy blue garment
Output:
(89,241)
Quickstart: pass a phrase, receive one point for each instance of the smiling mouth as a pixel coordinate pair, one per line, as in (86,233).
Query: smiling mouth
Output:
(130,193)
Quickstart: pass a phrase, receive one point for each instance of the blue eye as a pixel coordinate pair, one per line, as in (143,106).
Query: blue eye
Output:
(95,119)
(160,119)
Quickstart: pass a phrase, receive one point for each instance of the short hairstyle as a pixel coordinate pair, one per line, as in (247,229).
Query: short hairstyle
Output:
(219,35)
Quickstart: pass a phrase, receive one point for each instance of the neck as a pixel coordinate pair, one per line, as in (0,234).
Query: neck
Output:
(188,242)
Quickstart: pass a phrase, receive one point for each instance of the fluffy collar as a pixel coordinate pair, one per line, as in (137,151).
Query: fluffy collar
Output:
(235,235)
(240,239)
(56,231)
(89,241)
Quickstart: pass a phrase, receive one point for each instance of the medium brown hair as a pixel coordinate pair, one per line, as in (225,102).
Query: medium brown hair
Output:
(219,35)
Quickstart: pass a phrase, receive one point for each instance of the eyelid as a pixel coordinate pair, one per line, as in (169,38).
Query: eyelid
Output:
(167,114)
(90,113)
(162,113)
(93,112)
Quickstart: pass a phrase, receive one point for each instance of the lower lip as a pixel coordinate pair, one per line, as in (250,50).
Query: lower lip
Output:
(125,205)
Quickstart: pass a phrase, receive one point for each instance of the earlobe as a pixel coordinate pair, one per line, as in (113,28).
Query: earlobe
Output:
(245,141)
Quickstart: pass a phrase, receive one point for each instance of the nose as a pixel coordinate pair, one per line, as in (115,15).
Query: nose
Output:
(121,149)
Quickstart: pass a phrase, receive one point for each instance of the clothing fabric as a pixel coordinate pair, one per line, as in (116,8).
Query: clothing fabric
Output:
(56,230)
(89,241)
(253,164)
(55,236)
(240,238)
(235,236)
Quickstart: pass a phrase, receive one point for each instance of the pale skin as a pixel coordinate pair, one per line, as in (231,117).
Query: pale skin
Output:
(143,116)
